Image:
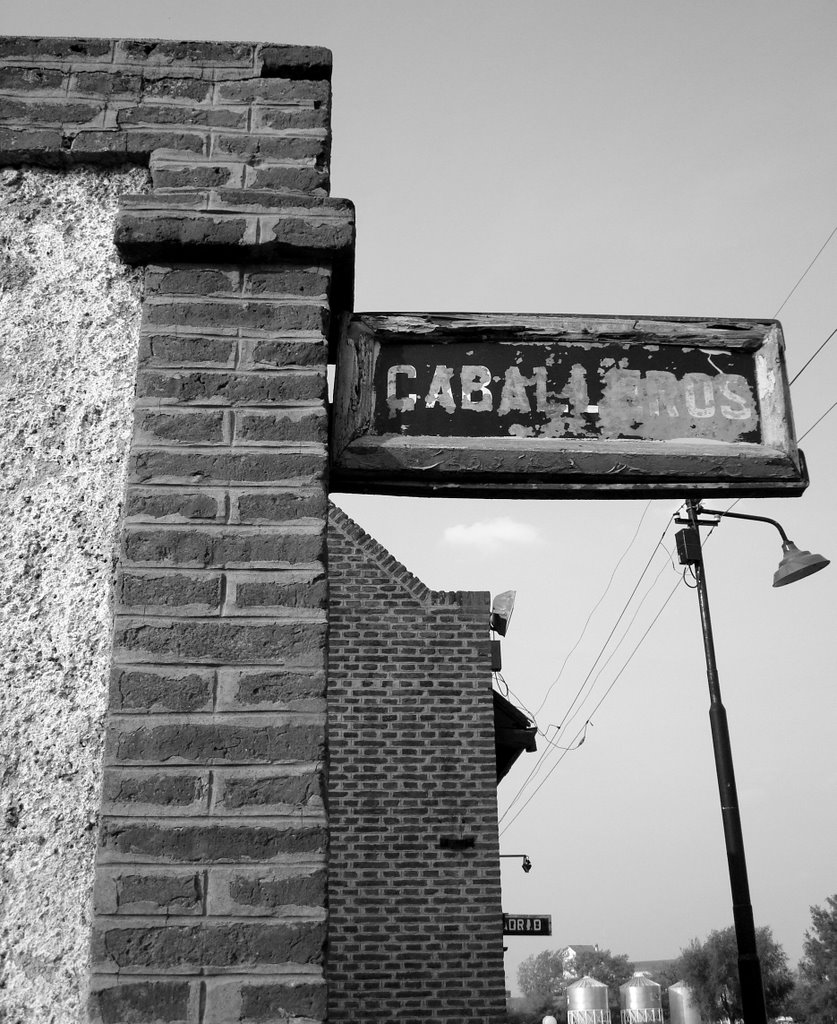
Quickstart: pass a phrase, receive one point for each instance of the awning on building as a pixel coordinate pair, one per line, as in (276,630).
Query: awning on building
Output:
(513,733)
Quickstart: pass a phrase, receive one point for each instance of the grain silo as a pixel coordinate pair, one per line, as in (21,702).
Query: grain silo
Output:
(682,1006)
(641,1000)
(587,1002)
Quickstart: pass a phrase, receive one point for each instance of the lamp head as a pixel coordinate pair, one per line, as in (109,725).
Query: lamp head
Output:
(796,565)
(526,865)
(501,611)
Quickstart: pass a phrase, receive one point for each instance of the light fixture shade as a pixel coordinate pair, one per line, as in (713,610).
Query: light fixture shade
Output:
(796,565)
(501,611)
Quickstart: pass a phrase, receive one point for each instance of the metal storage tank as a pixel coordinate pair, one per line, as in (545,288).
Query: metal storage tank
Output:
(641,1000)
(682,1008)
(587,1002)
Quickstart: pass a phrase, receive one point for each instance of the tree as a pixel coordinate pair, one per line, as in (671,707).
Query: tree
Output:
(541,975)
(710,968)
(612,969)
(816,998)
(544,977)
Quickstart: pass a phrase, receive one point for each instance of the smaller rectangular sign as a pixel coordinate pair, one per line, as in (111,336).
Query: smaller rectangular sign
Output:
(527,924)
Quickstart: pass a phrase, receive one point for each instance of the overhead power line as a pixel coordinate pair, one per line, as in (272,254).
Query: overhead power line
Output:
(605,592)
(817,422)
(540,762)
(813,357)
(805,272)
(599,704)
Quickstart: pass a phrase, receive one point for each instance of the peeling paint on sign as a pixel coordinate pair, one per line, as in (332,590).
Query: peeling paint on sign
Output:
(542,405)
(576,391)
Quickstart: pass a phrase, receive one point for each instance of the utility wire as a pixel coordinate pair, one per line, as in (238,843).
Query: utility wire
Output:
(601,701)
(595,607)
(805,272)
(574,746)
(817,423)
(537,767)
(813,357)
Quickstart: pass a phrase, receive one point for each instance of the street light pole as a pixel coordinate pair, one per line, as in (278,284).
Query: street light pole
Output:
(749,966)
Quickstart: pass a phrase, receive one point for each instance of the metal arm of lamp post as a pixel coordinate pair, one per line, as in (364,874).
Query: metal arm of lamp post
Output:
(794,565)
(526,865)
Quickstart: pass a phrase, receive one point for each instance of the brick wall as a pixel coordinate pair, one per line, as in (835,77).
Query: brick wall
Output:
(414,930)
(210,887)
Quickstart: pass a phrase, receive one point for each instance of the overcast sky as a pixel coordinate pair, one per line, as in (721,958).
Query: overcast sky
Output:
(601,156)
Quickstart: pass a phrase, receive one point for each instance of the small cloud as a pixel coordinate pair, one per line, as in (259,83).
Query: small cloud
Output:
(492,535)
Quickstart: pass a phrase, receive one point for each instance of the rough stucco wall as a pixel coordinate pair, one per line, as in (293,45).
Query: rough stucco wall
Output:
(69,321)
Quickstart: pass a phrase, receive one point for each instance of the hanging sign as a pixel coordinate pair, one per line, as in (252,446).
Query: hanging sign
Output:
(527,924)
(551,406)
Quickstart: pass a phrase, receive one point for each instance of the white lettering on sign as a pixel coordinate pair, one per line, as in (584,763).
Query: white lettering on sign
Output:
(655,404)
(526,925)
(476,395)
(440,390)
(408,402)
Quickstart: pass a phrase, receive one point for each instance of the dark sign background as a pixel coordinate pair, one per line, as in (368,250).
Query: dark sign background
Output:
(599,362)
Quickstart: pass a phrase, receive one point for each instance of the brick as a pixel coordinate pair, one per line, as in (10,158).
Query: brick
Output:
(244,548)
(173,505)
(220,641)
(257,792)
(159,84)
(186,350)
(268,427)
(44,112)
(264,892)
(206,843)
(264,593)
(289,118)
(259,354)
(152,892)
(290,233)
(175,427)
(154,793)
(247,388)
(191,280)
(49,48)
(239,945)
(133,1001)
(297,61)
(250,145)
(157,114)
(17,79)
(161,466)
(137,233)
(277,506)
(275,90)
(275,175)
(215,742)
(158,593)
(40,146)
(288,280)
(161,689)
(108,83)
(261,1000)
(243,313)
(197,175)
(267,689)
(111,146)
(169,51)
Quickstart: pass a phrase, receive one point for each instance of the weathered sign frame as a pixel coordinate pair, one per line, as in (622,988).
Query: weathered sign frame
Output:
(554,467)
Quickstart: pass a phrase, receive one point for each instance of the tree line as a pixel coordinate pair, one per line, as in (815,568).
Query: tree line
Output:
(710,968)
